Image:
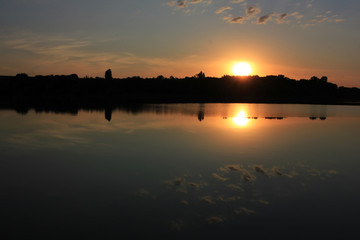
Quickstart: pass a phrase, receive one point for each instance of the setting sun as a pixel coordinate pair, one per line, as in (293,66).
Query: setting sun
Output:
(242,69)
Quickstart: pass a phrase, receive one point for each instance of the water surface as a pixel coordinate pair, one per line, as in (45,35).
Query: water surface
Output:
(186,171)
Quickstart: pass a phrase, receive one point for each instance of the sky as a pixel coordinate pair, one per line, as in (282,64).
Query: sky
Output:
(147,38)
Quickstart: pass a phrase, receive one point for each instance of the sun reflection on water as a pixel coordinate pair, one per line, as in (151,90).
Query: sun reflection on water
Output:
(241,119)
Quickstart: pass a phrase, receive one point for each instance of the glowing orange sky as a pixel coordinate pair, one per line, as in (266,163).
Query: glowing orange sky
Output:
(298,39)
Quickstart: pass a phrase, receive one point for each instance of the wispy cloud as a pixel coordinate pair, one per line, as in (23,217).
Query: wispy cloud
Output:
(223,9)
(309,3)
(181,3)
(186,5)
(252,11)
(195,1)
(320,19)
(282,17)
(264,19)
(297,15)
(324,18)
(237,20)
(303,12)
(44,45)
(45,53)
(171,3)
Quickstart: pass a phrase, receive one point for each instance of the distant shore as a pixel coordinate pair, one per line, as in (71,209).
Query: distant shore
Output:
(69,92)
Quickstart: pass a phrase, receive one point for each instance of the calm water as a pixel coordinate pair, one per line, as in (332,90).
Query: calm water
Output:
(187,171)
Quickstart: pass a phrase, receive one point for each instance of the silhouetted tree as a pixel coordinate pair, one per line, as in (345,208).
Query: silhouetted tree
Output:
(22,76)
(108,74)
(71,92)
(200,75)
(72,76)
(324,79)
(314,78)
(160,77)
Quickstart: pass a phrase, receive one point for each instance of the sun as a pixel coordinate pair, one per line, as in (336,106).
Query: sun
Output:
(242,69)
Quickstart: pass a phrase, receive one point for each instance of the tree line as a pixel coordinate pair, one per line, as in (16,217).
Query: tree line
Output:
(70,91)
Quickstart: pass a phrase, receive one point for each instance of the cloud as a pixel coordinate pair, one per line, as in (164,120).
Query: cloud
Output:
(264,19)
(218,177)
(178,181)
(307,18)
(222,9)
(309,4)
(208,200)
(235,19)
(244,211)
(320,19)
(252,11)
(55,45)
(260,169)
(181,4)
(171,3)
(236,187)
(214,219)
(247,176)
(282,17)
(194,185)
(188,5)
(195,1)
(296,15)
(324,18)
(235,168)
(277,171)
(44,53)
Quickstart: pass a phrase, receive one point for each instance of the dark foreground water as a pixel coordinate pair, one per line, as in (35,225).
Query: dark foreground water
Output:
(186,171)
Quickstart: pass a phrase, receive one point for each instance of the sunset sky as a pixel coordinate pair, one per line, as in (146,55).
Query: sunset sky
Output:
(297,38)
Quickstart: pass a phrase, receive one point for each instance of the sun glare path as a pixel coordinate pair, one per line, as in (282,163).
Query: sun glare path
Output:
(242,69)
(241,119)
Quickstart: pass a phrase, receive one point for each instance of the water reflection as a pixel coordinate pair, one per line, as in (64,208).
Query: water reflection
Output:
(241,119)
(235,189)
(314,118)
(169,169)
(201,113)
(254,111)
(43,129)
(108,113)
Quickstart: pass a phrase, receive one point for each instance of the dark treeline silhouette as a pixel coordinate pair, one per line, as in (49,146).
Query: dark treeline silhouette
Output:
(69,93)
